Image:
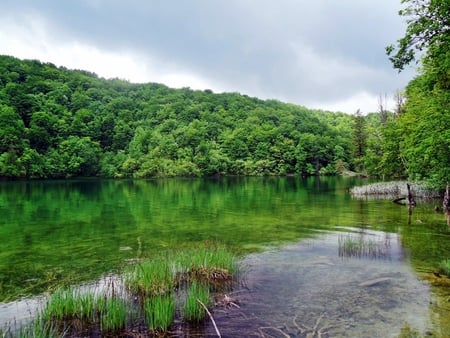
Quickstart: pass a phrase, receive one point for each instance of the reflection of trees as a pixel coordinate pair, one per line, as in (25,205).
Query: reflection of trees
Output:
(77,227)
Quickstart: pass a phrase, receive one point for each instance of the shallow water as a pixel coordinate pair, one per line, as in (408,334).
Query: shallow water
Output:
(317,262)
(307,289)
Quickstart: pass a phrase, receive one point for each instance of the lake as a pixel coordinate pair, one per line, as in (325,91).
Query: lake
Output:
(316,262)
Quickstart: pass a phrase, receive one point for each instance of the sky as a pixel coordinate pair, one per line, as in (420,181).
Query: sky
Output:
(324,54)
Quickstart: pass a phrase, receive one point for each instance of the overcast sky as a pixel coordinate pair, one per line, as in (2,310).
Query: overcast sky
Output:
(326,54)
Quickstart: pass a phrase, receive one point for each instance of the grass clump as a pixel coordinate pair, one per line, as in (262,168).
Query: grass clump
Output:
(113,315)
(196,294)
(37,329)
(150,278)
(408,332)
(62,305)
(210,264)
(160,311)
(444,267)
(68,303)
(145,299)
(357,246)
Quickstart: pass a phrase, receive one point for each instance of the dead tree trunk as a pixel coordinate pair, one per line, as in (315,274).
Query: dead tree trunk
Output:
(411,201)
(446,202)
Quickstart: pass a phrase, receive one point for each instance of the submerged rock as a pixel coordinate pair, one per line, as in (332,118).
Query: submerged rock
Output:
(376,281)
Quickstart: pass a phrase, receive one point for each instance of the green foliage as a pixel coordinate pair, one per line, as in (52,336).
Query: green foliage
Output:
(414,142)
(428,28)
(56,123)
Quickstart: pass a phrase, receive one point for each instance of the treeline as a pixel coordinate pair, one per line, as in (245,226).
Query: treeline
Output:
(59,123)
(414,141)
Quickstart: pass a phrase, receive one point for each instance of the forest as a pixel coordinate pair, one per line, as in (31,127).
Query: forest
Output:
(61,123)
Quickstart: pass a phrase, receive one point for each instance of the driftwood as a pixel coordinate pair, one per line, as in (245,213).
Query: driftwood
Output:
(398,200)
(210,316)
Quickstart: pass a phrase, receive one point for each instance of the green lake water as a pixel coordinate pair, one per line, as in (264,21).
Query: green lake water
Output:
(300,279)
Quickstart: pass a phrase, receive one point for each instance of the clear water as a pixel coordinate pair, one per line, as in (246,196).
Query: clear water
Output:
(316,262)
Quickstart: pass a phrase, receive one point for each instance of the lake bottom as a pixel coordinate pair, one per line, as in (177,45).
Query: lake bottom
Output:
(315,288)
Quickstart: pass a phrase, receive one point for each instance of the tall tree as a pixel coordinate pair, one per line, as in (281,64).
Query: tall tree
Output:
(359,139)
(424,119)
(428,30)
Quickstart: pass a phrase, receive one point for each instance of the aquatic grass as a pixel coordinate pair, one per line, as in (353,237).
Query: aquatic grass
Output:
(409,332)
(68,303)
(37,329)
(358,246)
(61,305)
(193,309)
(160,312)
(150,277)
(148,295)
(209,263)
(86,304)
(444,267)
(113,315)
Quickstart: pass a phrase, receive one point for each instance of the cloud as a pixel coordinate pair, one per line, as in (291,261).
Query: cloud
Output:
(30,38)
(305,52)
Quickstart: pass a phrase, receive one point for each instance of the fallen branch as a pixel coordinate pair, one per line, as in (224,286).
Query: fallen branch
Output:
(397,200)
(210,316)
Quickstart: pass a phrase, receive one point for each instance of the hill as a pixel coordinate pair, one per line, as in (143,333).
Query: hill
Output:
(59,123)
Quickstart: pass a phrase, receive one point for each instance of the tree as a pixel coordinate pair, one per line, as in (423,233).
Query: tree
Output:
(81,156)
(359,138)
(11,130)
(428,30)
(423,136)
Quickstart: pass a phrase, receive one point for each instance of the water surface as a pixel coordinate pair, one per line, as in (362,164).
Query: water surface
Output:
(300,280)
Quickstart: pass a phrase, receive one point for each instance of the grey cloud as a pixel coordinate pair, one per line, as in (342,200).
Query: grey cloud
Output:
(298,50)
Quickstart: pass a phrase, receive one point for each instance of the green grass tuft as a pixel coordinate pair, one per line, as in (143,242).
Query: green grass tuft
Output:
(160,311)
(113,315)
(151,277)
(192,309)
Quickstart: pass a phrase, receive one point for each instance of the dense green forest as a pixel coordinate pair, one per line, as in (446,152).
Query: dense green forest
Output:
(417,140)
(59,123)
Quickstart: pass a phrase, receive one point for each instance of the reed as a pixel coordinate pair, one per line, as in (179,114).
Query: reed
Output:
(67,304)
(113,314)
(192,309)
(62,305)
(37,329)
(210,263)
(147,295)
(150,278)
(160,311)
(357,246)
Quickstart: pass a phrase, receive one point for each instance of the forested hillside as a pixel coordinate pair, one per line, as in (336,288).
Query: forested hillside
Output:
(59,123)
